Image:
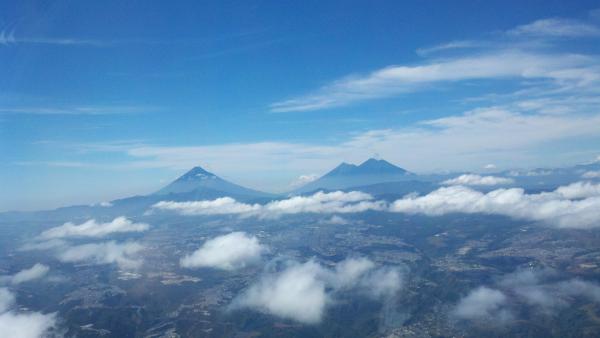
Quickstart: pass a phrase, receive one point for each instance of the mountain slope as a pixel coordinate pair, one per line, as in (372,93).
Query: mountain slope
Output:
(197,180)
(346,175)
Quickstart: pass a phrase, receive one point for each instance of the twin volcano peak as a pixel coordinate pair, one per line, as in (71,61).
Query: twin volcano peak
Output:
(369,167)
(345,175)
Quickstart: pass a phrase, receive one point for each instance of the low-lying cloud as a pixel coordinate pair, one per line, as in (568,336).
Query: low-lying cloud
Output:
(473,179)
(482,303)
(320,202)
(576,205)
(22,325)
(228,252)
(302,292)
(92,228)
(123,254)
(35,272)
(591,174)
(536,289)
(573,206)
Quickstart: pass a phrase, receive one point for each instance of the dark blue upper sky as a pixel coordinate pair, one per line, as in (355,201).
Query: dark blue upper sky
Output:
(105,99)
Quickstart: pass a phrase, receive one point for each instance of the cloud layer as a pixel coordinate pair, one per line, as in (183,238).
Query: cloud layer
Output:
(228,252)
(92,228)
(321,202)
(303,291)
(574,206)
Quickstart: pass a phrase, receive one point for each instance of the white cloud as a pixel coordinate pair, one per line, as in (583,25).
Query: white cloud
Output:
(482,303)
(579,190)
(556,207)
(303,291)
(304,179)
(591,174)
(395,80)
(472,179)
(296,293)
(382,283)
(320,202)
(556,27)
(45,245)
(219,206)
(35,272)
(581,288)
(470,139)
(489,166)
(22,325)
(7,299)
(92,228)
(336,220)
(228,252)
(535,288)
(123,254)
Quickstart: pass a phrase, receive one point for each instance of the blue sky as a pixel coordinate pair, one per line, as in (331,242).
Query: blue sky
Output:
(100,100)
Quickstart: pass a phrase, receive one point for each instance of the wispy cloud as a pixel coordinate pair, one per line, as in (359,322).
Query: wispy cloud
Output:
(476,138)
(536,289)
(521,53)
(78,110)
(8,37)
(395,80)
(556,27)
(126,254)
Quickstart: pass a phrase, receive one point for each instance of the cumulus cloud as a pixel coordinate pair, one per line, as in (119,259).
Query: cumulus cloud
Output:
(35,272)
(228,252)
(22,325)
(473,179)
(482,303)
(304,179)
(579,190)
(574,206)
(320,202)
(123,254)
(303,291)
(489,166)
(591,174)
(92,228)
(537,289)
(296,293)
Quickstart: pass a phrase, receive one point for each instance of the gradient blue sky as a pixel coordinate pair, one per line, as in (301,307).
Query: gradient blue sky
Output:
(106,99)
